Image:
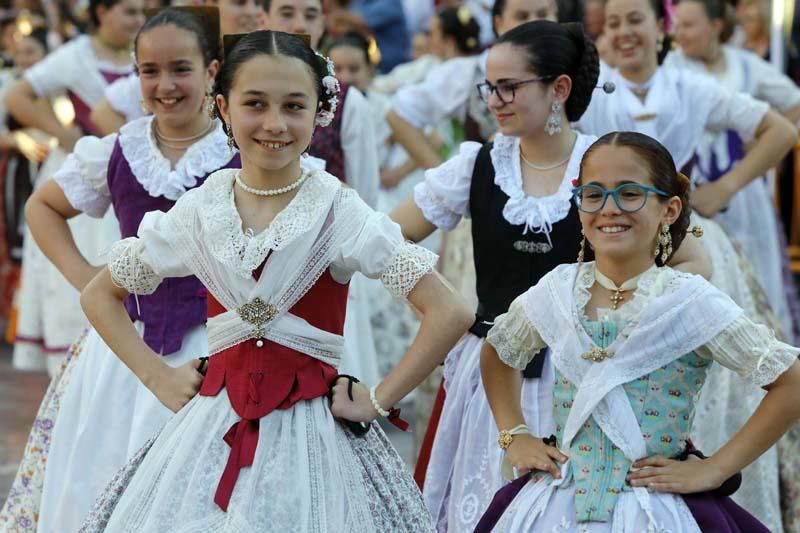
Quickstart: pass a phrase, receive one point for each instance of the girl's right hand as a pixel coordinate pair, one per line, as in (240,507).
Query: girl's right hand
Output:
(527,453)
(175,387)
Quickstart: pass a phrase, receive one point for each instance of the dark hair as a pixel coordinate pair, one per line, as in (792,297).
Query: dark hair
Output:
(355,40)
(554,49)
(40,36)
(717,10)
(95,4)
(661,14)
(239,49)
(203,23)
(662,172)
(458,23)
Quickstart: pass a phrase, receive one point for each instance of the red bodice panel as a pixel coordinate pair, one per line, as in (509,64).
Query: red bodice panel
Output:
(260,380)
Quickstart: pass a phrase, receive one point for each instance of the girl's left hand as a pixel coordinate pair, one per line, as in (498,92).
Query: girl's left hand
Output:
(680,477)
(711,198)
(360,409)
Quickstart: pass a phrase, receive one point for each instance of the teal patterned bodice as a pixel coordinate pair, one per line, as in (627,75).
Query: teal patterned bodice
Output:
(663,402)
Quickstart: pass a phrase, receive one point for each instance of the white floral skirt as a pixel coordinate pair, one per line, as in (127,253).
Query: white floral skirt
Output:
(465,466)
(309,474)
(106,416)
(539,508)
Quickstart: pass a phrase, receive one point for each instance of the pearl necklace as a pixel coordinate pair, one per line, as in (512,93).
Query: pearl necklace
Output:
(172,142)
(560,163)
(271,192)
(609,284)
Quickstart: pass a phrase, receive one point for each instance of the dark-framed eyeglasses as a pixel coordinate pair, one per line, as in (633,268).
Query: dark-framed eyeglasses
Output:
(629,197)
(506,90)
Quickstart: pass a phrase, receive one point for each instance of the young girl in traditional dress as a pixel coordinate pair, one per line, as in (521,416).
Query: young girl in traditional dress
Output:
(676,107)
(49,311)
(517,193)
(275,244)
(97,404)
(632,342)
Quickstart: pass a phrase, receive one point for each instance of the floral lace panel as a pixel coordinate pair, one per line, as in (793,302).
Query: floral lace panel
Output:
(127,269)
(408,264)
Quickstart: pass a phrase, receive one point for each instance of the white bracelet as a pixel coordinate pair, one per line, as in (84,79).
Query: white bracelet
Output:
(375,404)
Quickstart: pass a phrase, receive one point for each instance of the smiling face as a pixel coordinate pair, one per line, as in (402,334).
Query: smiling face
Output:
(271,108)
(120,23)
(508,64)
(351,66)
(297,16)
(614,234)
(632,32)
(173,76)
(239,16)
(694,32)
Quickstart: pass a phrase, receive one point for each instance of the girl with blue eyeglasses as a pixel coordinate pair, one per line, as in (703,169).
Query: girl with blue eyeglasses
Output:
(632,342)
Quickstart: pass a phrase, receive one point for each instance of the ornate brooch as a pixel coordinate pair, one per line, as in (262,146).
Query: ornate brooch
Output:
(258,314)
(598,355)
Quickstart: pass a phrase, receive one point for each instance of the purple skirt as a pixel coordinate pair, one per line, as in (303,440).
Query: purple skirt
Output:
(713,514)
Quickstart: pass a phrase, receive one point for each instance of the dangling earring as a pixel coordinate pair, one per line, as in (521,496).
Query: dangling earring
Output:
(553,125)
(210,104)
(583,247)
(231,141)
(660,44)
(145,108)
(665,240)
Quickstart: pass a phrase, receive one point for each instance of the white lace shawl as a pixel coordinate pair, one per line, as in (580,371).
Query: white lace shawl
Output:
(444,195)
(83,176)
(323,226)
(751,350)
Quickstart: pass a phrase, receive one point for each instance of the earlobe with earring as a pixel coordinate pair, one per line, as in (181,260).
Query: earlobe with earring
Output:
(663,244)
(582,248)
(231,140)
(553,125)
(210,105)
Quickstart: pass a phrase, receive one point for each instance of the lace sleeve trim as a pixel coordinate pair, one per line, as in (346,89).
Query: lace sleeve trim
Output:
(434,209)
(408,265)
(514,337)
(128,270)
(773,362)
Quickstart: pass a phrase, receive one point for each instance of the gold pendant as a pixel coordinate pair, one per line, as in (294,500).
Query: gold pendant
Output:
(616,298)
(598,355)
(258,314)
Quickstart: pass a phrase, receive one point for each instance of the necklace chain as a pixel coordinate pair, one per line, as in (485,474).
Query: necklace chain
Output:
(174,142)
(551,167)
(271,192)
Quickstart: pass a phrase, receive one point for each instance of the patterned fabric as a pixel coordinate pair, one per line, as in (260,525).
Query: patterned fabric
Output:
(663,402)
(327,142)
(20,513)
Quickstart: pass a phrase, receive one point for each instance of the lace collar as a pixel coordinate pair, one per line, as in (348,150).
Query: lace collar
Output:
(652,283)
(536,213)
(242,250)
(154,171)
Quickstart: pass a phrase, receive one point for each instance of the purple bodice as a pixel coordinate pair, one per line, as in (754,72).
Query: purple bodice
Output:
(178,304)
(83,109)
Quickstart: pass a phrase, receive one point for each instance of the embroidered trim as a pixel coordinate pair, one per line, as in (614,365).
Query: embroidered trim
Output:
(408,264)
(154,171)
(127,269)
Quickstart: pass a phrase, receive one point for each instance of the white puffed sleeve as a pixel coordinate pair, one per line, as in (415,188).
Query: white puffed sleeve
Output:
(514,337)
(443,93)
(83,175)
(138,264)
(125,96)
(53,75)
(729,110)
(751,350)
(377,249)
(443,196)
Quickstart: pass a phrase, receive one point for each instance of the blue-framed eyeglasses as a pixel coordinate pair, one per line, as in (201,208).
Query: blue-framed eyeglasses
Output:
(629,197)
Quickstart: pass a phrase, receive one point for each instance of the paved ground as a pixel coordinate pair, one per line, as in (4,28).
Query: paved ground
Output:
(20,394)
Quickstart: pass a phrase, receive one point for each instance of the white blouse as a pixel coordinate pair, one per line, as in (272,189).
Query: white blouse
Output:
(677,110)
(749,349)
(377,248)
(72,67)
(444,195)
(83,176)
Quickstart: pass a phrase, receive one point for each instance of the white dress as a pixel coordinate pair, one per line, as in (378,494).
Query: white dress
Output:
(710,325)
(680,106)
(50,317)
(105,407)
(750,216)
(308,473)
(464,469)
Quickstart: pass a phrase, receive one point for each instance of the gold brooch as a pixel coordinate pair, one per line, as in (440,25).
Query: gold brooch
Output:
(258,314)
(598,355)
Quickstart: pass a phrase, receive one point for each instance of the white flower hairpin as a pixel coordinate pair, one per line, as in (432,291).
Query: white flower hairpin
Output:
(332,88)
